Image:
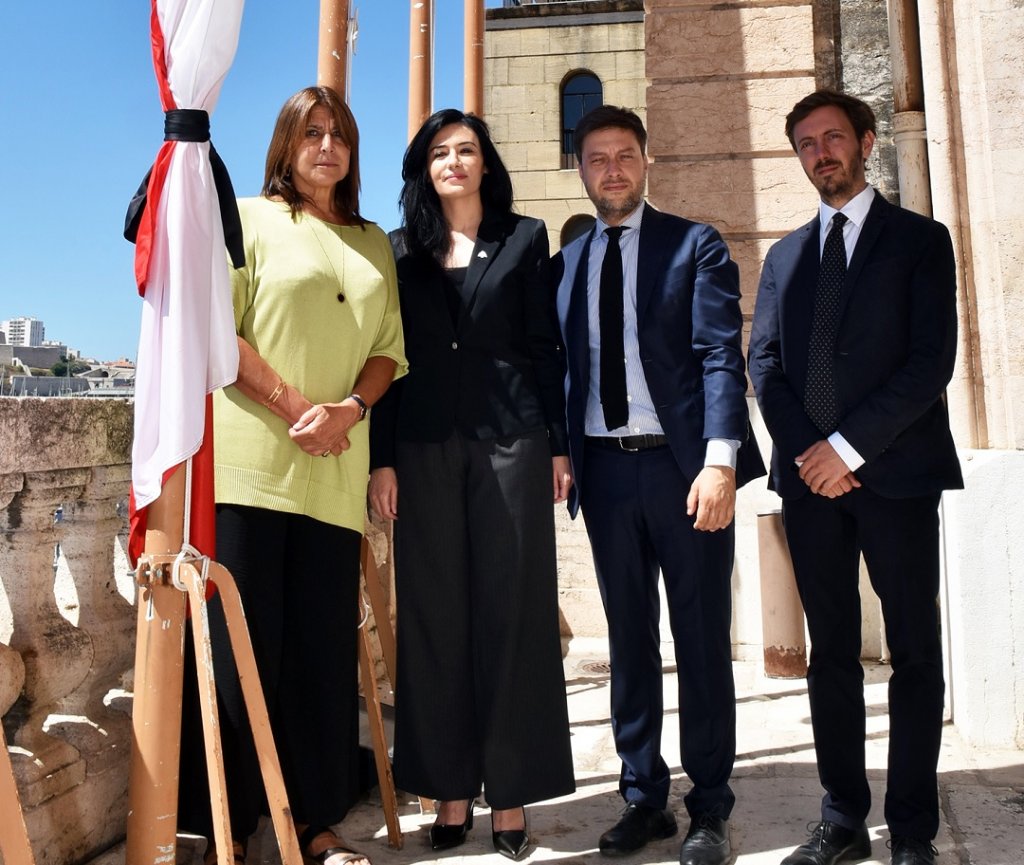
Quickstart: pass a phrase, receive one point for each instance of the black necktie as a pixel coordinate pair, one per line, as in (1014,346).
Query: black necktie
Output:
(820,400)
(613,355)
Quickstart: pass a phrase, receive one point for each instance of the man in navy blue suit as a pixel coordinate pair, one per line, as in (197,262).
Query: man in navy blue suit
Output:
(659,440)
(853,343)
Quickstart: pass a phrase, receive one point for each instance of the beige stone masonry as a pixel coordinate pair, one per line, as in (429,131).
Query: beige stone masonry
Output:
(700,118)
(685,44)
(738,196)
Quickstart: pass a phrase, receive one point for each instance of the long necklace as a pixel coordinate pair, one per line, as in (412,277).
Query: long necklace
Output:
(330,261)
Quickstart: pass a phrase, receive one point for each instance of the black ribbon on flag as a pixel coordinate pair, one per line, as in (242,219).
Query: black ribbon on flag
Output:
(193,124)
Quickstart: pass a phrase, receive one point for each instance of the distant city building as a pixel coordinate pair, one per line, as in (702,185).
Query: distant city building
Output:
(24,331)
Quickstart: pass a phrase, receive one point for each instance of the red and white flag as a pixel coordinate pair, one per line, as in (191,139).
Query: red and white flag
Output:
(187,343)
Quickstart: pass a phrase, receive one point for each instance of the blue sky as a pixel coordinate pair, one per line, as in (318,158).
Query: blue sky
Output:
(80,123)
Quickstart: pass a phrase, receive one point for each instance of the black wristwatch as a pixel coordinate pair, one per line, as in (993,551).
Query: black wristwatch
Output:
(363,407)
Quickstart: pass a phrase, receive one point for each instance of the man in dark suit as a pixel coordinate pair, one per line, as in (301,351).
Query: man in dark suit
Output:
(648,304)
(853,343)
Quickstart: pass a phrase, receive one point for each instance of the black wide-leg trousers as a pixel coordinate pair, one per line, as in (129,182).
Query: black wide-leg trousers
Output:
(480,697)
(298,579)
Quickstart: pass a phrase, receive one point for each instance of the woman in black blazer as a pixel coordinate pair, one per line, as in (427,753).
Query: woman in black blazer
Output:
(470,449)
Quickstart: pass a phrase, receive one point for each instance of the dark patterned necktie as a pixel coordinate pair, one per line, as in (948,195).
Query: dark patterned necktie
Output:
(613,354)
(820,400)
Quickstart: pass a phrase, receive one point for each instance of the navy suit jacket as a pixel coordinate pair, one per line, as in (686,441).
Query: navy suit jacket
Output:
(894,352)
(497,371)
(689,328)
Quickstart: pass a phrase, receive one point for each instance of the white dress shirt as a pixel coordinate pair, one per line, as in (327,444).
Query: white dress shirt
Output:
(643,419)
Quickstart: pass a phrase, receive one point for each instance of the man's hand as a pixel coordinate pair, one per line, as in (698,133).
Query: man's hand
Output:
(712,498)
(824,471)
(562,478)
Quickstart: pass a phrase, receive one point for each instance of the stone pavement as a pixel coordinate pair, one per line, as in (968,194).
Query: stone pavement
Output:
(777,792)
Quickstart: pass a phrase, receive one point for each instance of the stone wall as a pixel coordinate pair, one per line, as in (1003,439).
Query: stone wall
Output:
(66,618)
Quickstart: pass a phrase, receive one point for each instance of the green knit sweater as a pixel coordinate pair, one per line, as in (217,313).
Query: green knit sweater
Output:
(287,308)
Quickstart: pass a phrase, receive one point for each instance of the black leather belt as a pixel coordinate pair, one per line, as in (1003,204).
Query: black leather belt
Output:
(629,444)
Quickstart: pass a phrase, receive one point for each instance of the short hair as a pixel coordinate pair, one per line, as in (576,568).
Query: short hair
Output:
(289,131)
(425,227)
(858,112)
(608,117)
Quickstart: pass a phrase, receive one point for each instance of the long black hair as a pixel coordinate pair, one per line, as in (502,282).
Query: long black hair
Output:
(426,230)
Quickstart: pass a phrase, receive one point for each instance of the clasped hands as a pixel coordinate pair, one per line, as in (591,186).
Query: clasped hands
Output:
(322,429)
(824,471)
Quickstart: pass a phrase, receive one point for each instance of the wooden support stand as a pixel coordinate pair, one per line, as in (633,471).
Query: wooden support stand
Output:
(14,843)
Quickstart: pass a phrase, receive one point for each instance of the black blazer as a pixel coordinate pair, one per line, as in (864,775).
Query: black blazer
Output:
(894,352)
(499,370)
(689,329)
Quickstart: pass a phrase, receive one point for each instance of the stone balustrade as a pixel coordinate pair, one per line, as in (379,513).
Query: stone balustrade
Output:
(67,618)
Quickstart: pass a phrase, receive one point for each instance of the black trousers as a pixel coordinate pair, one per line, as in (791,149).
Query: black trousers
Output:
(298,579)
(480,697)
(634,505)
(900,542)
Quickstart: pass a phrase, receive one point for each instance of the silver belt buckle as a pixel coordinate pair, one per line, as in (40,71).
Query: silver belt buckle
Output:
(626,449)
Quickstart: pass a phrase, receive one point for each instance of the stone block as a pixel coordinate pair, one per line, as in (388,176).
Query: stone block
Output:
(543,155)
(504,43)
(722,116)
(708,41)
(508,99)
(526,70)
(565,184)
(749,253)
(629,66)
(626,37)
(42,434)
(529,184)
(736,195)
(535,41)
(496,71)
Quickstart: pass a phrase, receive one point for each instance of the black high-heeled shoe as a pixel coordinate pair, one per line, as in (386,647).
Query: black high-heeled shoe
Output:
(446,835)
(511,843)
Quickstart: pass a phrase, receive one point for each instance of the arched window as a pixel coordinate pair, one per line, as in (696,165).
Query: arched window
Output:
(581,92)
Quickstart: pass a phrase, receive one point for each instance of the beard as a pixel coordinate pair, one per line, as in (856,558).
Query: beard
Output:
(618,208)
(840,185)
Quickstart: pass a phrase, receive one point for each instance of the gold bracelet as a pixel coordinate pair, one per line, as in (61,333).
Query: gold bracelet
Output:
(270,400)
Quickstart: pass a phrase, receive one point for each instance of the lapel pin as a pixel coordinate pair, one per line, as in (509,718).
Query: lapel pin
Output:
(482,254)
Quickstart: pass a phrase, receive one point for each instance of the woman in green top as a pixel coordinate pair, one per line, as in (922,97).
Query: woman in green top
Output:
(320,339)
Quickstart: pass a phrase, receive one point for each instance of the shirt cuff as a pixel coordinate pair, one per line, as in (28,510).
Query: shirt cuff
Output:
(846,452)
(721,452)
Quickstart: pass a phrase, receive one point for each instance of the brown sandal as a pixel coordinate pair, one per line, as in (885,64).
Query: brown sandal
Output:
(311,832)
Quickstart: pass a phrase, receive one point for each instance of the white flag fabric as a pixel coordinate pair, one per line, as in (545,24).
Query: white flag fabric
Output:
(187,344)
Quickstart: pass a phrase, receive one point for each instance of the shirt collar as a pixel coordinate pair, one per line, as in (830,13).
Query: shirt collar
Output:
(856,209)
(632,221)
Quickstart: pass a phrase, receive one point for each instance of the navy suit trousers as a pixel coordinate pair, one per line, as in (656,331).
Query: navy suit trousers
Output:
(634,506)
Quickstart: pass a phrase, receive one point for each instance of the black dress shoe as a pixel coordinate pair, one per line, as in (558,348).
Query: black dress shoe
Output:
(638,825)
(831,843)
(511,843)
(707,842)
(911,851)
(446,835)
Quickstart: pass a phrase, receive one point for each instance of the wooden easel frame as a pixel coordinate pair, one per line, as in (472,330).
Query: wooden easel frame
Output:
(14,841)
